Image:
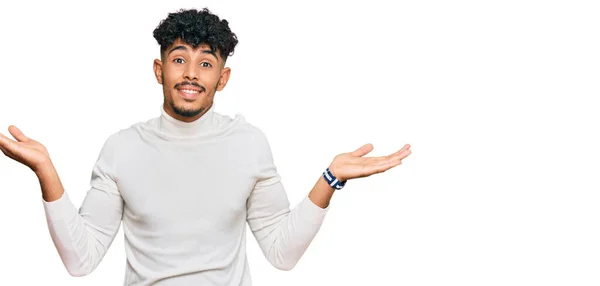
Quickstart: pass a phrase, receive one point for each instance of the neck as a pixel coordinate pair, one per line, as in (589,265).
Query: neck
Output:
(181,126)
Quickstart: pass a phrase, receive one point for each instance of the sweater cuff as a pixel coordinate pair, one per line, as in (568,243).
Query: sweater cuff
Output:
(59,209)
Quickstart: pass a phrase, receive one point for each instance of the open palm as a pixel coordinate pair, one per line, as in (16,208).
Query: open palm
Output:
(354,165)
(24,150)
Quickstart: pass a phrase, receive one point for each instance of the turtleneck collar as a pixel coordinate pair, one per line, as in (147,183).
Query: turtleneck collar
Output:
(177,128)
(210,125)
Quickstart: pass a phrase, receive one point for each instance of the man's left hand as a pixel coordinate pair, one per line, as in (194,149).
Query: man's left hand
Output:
(354,165)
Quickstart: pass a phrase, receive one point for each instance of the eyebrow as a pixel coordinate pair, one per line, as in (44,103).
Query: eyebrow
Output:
(183,48)
(177,48)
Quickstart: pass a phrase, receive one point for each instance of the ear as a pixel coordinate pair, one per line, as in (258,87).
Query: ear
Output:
(224,78)
(158,71)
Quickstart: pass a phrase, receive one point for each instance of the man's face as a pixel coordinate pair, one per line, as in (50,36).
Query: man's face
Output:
(190,78)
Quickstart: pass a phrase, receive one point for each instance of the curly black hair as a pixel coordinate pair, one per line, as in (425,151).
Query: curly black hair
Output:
(195,28)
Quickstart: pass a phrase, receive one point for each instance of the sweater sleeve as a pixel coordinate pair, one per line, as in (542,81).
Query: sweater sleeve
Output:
(283,234)
(83,236)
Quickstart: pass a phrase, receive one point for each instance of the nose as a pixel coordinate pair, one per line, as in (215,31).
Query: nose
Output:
(190,73)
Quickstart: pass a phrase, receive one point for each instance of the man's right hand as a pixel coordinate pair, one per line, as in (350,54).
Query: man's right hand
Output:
(24,150)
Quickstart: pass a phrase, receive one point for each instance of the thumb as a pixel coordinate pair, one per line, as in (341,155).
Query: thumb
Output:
(363,150)
(16,132)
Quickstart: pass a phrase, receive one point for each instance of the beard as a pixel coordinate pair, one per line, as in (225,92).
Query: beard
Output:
(185,112)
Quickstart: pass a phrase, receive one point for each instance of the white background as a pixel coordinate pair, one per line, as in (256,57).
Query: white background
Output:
(497,99)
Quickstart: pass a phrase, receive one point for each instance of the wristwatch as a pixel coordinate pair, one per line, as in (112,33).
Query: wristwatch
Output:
(332,180)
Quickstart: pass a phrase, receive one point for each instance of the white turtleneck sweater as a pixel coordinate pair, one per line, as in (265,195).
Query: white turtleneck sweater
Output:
(184,192)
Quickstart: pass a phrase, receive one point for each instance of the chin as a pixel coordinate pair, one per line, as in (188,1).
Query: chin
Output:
(187,109)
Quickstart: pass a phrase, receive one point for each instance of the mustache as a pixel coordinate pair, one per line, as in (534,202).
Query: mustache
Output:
(192,84)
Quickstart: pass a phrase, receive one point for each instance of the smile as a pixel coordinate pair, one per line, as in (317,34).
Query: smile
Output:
(189,93)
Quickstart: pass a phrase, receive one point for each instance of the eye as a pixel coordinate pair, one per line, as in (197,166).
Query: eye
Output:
(205,64)
(178,61)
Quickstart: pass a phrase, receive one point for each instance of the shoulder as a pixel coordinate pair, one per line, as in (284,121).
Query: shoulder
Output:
(241,126)
(255,134)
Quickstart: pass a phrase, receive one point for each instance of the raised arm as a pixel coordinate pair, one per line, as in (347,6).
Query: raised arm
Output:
(284,234)
(82,236)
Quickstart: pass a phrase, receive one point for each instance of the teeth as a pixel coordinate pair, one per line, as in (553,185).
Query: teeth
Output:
(190,91)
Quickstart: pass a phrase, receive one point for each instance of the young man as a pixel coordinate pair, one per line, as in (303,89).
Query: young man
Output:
(185,183)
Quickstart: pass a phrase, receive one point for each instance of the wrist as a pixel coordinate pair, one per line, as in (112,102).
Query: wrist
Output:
(332,180)
(333,170)
(44,170)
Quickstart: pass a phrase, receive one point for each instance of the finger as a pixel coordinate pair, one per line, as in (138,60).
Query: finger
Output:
(373,160)
(404,148)
(402,155)
(16,132)
(392,161)
(381,167)
(4,141)
(9,146)
(363,150)
(8,154)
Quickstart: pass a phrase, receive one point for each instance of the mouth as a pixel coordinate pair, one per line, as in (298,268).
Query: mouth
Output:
(190,93)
